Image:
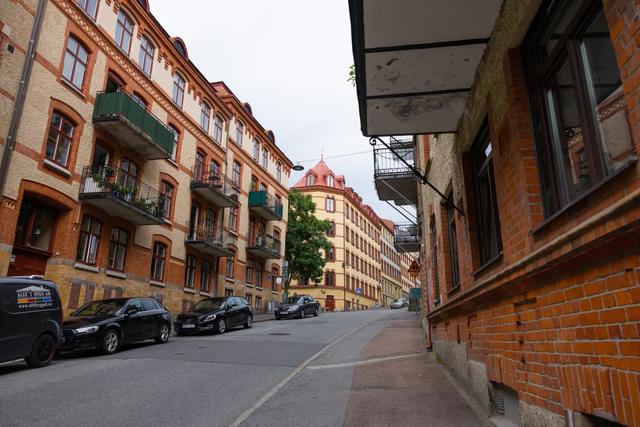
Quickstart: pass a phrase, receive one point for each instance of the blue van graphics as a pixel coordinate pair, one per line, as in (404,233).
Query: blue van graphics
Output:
(34,297)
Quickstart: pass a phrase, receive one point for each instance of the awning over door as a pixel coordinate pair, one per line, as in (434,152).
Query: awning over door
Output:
(416,60)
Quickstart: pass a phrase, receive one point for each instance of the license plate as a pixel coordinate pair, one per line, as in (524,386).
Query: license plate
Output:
(186,326)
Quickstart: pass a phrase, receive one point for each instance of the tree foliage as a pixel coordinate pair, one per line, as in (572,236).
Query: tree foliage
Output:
(352,74)
(305,239)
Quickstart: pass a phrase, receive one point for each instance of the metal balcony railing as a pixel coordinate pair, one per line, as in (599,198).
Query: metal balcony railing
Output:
(265,243)
(225,193)
(406,237)
(387,163)
(128,120)
(112,183)
(270,206)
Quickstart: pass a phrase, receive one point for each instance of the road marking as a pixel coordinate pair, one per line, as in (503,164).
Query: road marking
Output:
(246,414)
(366,362)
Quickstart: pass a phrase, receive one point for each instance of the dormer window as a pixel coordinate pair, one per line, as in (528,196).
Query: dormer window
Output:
(330,182)
(311,180)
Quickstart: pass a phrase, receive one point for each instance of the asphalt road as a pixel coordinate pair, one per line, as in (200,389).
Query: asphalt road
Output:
(263,376)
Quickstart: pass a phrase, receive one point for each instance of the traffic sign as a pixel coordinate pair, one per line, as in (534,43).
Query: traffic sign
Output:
(358,291)
(414,269)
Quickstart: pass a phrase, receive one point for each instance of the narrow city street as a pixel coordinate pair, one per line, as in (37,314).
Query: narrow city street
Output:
(358,368)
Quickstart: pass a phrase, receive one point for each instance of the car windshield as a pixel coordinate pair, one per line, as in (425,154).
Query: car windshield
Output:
(208,305)
(104,307)
(294,300)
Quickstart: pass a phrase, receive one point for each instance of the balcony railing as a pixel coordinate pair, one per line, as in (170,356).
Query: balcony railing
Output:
(215,187)
(132,125)
(394,179)
(265,205)
(406,238)
(265,247)
(209,238)
(121,194)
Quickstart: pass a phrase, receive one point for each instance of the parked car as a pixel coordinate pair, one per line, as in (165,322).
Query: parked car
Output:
(399,303)
(108,324)
(217,314)
(298,306)
(30,320)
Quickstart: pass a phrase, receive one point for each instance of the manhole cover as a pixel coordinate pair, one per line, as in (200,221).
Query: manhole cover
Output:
(178,354)
(279,333)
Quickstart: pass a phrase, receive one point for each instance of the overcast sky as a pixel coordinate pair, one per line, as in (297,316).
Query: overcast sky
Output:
(290,60)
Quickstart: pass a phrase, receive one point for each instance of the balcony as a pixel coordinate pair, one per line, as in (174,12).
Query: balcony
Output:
(264,247)
(132,125)
(211,240)
(215,187)
(406,238)
(120,194)
(393,178)
(265,205)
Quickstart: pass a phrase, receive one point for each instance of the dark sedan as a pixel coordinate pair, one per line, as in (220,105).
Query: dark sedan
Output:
(217,314)
(108,324)
(298,306)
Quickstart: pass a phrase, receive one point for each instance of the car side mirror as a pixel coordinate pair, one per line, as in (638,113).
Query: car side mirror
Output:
(131,310)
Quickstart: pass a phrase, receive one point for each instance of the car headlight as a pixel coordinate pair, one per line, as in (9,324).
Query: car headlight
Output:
(209,318)
(86,330)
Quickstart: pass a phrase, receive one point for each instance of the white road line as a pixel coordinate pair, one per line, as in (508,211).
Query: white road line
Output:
(366,362)
(246,414)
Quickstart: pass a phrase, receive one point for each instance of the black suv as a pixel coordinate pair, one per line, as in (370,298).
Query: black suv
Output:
(30,320)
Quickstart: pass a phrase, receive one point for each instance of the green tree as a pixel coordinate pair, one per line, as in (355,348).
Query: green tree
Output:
(352,74)
(305,239)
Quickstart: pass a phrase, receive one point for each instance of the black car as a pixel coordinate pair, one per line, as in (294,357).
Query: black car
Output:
(298,306)
(217,314)
(30,320)
(108,324)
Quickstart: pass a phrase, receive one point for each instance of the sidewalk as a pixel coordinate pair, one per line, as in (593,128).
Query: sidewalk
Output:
(263,317)
(408,389)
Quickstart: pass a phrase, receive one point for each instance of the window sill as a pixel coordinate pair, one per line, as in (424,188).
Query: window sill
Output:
(156,283)
(57,168)
(115,273)
(486,265)
(453,290)
(206,294)
(249,285)
(167,222)
(86,267)
(230,279)
(189,290)
(74,89)
(173,163)
(582,198)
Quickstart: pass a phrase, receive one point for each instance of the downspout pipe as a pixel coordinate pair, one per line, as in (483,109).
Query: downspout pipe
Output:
(21,96)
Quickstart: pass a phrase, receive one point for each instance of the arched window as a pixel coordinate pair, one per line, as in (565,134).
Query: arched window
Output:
(145,58)
(330,181)
(167,195)
(158,261)
(176,137)
(237,170)
(265,158)
(239,133)
(124,31)
(59,139)
(205,116)
(90,7)
(180,47)
(178,89)
(279,171)
(256,150)
(218,124)
(330,204)
(75,63)
(311,179)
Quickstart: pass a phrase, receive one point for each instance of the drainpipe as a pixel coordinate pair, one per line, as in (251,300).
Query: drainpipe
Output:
(18,107)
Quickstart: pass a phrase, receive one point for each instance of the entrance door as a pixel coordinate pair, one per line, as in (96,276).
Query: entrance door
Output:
(330,303)
(33,239)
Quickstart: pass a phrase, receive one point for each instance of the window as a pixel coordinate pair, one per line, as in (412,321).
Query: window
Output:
(329,278)
(129,174)
(117,249)
(311,179)
(145,57)
(89,6)
(233,219)
(198,168)
(138,99)
(331,254)
(36,224)
(254,183)
(453,242)
(249,299)
(190,272)
(258,302)
(347,210)
(75,63)
(89,240)
(488,223)
(279,171)
(434,260)
(205,116)
(217,129)
(274,278)
(178,89)
(331,232)
(256,150)
(59,140)
(124,31)
(174,148)
(330,181)
(259,271)
(236,174)
(249,272)
(580,119)
(157,261)
(239,133)
(330,204)
(167,194)
(265,158)
(228,272)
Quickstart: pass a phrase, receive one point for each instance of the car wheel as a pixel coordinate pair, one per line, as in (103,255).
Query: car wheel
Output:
(301,314)
(110,342)
(316,312)
(163,336)
(42,351)
(221,326)
(249,323)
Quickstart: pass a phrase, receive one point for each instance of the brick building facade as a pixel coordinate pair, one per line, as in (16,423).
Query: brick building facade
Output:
(127,172)
(530,255)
